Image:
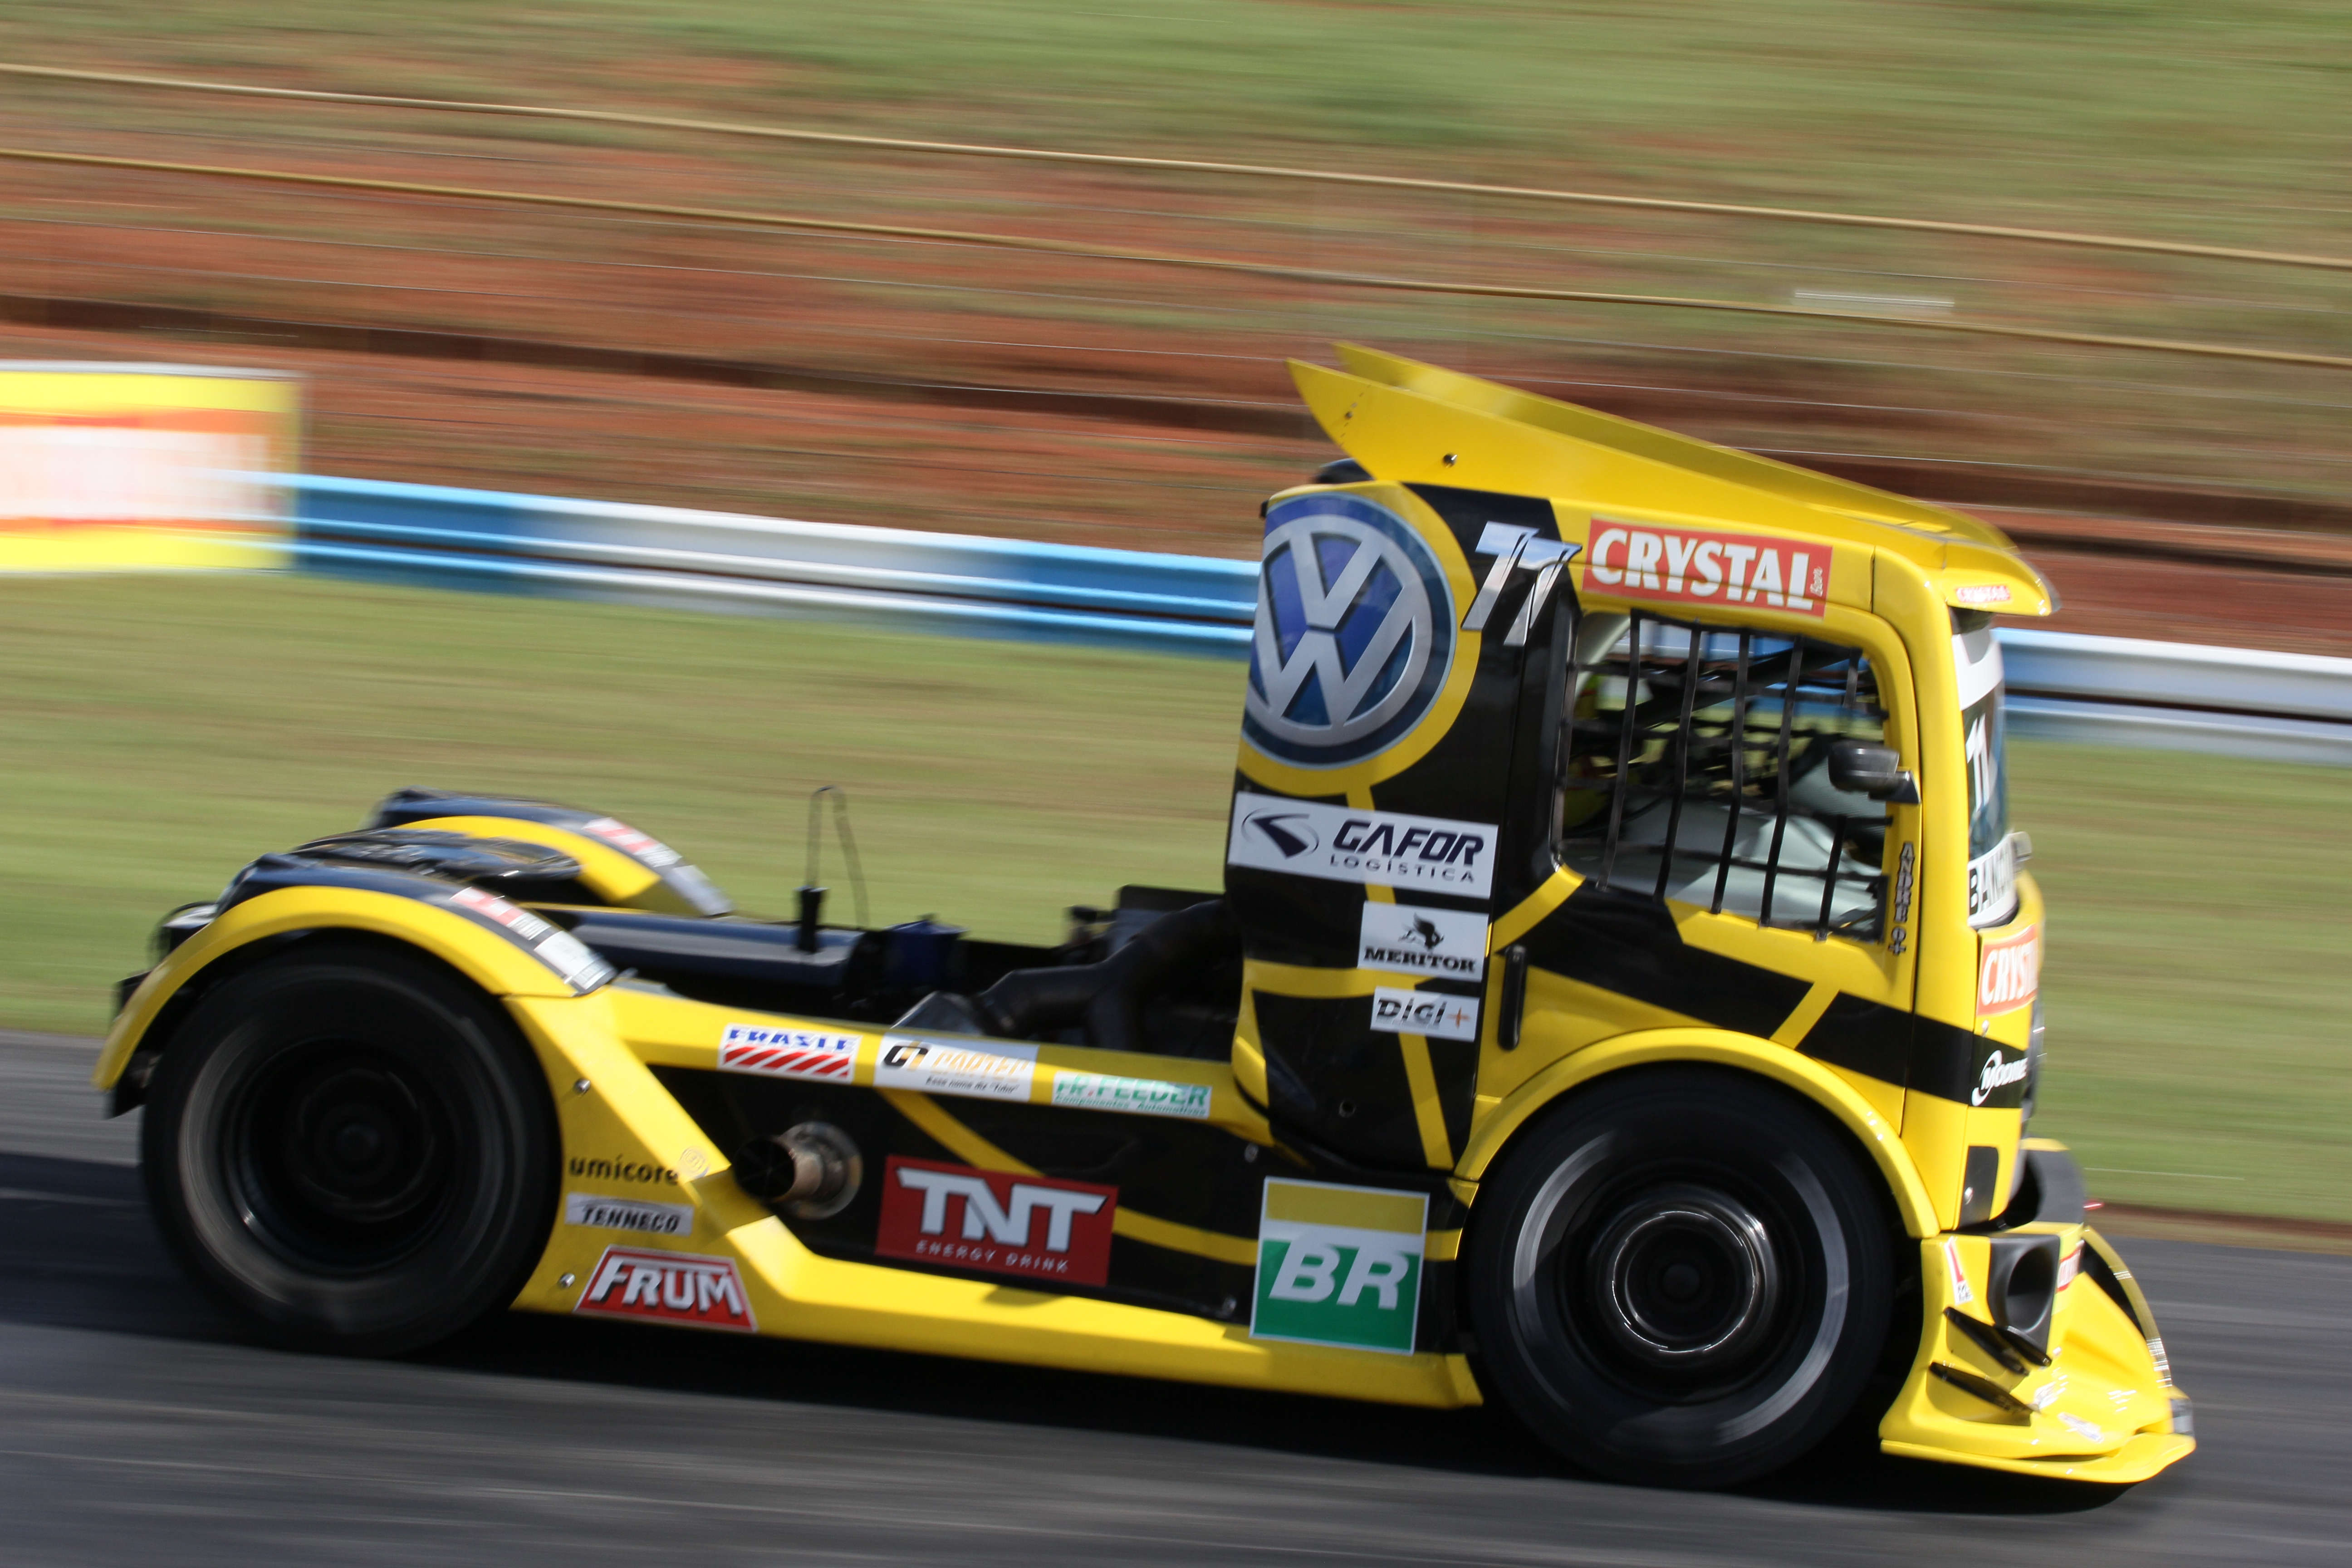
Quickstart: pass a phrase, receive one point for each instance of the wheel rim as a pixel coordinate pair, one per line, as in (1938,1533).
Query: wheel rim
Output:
(1683,1281)
(339,1154)
(1680,1284)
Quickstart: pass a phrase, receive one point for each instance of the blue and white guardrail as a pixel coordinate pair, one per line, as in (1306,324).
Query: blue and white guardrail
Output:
(2116,690)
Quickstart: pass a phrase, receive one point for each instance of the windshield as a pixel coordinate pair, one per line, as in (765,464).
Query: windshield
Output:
(1992,863)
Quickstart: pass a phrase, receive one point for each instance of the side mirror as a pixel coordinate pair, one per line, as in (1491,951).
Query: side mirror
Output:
(1864,768)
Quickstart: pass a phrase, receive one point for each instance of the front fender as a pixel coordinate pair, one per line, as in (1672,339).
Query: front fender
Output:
(1721,1047)
(491,961)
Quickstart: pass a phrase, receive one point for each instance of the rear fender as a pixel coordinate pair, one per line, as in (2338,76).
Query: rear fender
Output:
(500,966)
(604,871)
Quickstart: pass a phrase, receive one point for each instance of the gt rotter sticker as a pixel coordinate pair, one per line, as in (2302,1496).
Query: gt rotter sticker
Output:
(997,1070)
(1338,1266)
(1034,1227)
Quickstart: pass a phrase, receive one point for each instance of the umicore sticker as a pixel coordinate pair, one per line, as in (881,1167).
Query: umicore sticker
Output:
(1138,1096)
(787,1053)
(1398,1012)
(623,1170)
(1379,848)
(1642,561)
(1403,940)
(998,1071)
(671,1287)
(628,1213)
(1338,1266)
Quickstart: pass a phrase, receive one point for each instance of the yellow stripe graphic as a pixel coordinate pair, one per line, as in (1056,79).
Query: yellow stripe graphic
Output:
(1357,1208)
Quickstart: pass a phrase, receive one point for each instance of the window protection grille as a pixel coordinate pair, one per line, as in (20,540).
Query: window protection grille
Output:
(1694,767)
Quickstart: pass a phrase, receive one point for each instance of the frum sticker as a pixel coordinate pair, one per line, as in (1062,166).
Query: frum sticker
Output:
(1338,1266)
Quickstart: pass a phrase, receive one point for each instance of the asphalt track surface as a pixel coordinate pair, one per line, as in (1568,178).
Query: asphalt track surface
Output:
(138,1426)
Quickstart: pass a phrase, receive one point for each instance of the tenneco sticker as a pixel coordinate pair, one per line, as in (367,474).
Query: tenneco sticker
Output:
(998,1071)
(1035,1227)
(2009,973)
(787,1053)
(1354,633)
(1401,940)
(1396,1012)
(628,1213)
(1374,848)
(1642,561)
(1338,1266)
(670,1287)
(1135,1096)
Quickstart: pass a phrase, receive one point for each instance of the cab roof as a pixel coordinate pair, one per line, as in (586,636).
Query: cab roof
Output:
(1418,424)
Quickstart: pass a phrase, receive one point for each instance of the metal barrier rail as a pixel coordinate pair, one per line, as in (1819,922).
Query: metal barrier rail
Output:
(2111,691)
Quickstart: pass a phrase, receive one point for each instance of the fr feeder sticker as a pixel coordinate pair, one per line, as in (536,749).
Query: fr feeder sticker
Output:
(1338,1266)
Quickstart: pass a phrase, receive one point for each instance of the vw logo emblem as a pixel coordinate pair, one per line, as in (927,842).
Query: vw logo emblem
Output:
(1354,636)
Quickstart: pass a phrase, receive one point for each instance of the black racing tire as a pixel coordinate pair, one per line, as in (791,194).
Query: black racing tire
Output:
(353,1148)
(1683,1277)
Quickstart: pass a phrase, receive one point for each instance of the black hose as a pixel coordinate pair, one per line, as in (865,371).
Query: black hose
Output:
(1109,997)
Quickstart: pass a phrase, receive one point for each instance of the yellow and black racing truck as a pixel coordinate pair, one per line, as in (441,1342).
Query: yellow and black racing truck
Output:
(1622,1003)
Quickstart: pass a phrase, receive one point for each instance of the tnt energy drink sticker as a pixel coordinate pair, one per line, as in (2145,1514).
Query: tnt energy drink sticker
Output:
(1338,1266)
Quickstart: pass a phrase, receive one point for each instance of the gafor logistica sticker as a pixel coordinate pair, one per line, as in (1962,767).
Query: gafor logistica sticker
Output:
(1338,1266)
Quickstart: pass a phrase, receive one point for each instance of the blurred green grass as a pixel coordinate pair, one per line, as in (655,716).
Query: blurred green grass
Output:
(2198,996)
(2011,110)
(155,732)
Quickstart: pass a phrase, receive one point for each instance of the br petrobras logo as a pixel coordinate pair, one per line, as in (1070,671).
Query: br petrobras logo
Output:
(1355,633)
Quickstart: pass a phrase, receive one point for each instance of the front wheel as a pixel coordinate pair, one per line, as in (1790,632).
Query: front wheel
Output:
(352,1147)
(1683,1277)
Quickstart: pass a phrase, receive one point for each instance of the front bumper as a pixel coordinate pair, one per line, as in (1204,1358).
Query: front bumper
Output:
(2104,1408)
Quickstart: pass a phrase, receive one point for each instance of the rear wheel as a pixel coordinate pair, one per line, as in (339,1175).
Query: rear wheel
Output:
(353,1148)
(1683,1277)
